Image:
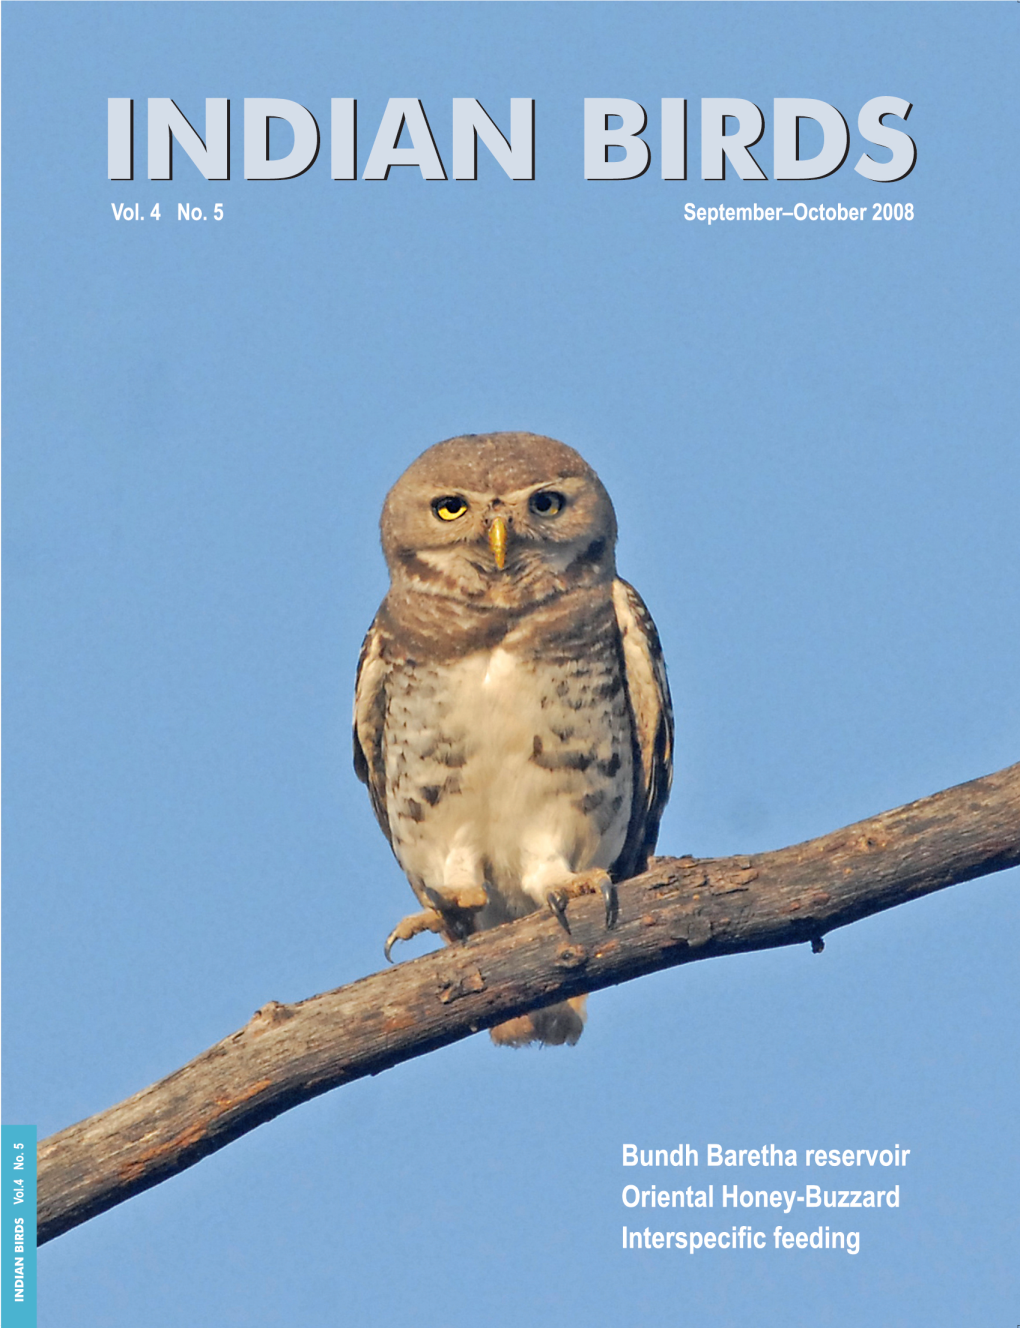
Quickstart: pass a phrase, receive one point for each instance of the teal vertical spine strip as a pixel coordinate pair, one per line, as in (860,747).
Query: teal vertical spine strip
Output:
(18,1260)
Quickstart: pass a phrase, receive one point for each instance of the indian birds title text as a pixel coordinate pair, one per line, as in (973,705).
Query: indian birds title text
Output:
(612,129)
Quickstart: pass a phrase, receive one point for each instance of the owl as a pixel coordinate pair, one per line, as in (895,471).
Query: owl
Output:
(512,718)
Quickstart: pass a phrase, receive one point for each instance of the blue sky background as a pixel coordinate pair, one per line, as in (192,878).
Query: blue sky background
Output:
(809,434)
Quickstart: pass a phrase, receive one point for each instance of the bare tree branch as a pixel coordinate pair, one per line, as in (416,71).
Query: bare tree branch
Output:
(679,911)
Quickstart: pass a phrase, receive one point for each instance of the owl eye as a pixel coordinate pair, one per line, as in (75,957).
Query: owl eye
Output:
(450,507)
(547,503)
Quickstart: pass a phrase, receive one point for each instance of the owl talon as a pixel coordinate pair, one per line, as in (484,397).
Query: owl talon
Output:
(612,903)
(558,907)
(413,925)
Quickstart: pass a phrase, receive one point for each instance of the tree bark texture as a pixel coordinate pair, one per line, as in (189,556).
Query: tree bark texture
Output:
(680,910)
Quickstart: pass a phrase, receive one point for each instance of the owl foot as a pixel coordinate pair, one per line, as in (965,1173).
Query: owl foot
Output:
(457,905)
(591,882)
(413,925)
(451,914)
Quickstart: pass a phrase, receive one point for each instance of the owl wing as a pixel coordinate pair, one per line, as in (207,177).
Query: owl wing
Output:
(652,711)
(369,716)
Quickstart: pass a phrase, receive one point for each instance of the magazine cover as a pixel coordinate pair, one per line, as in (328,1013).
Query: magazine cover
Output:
(713,309)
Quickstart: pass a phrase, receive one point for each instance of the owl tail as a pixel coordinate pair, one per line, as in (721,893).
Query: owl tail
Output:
(553,1026)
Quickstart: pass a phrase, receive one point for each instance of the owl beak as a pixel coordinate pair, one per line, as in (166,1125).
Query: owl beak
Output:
(497,541)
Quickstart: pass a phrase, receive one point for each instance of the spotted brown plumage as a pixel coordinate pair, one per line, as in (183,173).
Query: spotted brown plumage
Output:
(512,716)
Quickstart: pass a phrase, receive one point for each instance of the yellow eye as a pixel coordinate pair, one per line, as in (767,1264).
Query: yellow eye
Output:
(547,502)
(449,508)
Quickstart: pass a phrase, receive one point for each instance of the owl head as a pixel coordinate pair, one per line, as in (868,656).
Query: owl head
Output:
(503,518)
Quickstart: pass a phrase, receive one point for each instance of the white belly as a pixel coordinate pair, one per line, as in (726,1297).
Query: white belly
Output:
(509,774)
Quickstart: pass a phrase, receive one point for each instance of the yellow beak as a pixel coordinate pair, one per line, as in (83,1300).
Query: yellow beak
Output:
(497,541)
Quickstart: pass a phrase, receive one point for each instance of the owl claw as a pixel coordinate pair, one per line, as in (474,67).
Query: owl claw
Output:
(558,907)
(413,925)
(612,903)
